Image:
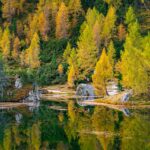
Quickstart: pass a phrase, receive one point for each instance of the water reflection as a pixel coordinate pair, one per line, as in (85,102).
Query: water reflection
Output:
(84,128)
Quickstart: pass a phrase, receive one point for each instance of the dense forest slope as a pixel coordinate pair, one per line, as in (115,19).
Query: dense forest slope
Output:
(54,41)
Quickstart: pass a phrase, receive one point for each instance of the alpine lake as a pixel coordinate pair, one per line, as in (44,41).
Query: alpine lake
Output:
(67,125)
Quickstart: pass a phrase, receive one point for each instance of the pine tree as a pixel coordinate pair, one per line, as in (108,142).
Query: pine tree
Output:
(16,48)
(32,53)
(6,44)
(103,72)
(62,22)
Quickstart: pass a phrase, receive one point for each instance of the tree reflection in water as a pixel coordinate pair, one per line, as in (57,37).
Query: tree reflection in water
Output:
(95,128)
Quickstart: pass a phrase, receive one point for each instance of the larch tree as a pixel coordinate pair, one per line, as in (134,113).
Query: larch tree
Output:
(132,65)
(114,3)
(32,53)
(6,44)
(87,52)
(19,28)
(103,72)
(111,53)
(22,59)
(71,76)
(67,52)
(1,33)
(97,30)
(9,9)
(130,16)
(16,48)
(73,68)
(62,22)
(44,25)
(60,69)
(89,42)
(33,26)
(121,32)
(146,51)
(41,5)
(91,16)
(109,24)
(75,9)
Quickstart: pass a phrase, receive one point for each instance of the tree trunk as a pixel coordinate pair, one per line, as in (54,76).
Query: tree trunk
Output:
(105,87)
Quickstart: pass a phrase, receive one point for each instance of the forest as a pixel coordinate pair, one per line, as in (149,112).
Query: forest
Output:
(76,41)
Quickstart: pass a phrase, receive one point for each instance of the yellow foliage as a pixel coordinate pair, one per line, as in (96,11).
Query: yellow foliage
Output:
(121,32)
(87,51)
(111,53)
(5,43)
(7,139)
(61,117)
(16,47)
(33,26)
(62,22)
(109,22)
(32,53)
(60,69)
(103,72)
(22,58)
(35,136)
(71,111)
(71,76)
(44,25)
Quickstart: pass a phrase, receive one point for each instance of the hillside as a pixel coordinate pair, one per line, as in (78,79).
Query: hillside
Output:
(59,41)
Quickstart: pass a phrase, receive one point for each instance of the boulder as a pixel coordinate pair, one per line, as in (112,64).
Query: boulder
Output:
(85,91)
(18,83)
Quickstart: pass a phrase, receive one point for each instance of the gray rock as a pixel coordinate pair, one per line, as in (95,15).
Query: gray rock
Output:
(18,83)
(126,96)
(85,91)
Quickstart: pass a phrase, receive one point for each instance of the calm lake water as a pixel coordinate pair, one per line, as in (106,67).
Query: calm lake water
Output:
(62,126)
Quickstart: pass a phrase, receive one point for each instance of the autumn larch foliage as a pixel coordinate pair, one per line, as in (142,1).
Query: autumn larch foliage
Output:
(103,72)
(62,22)
(32,53)
(16,48)
(6,43)
(60,69)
